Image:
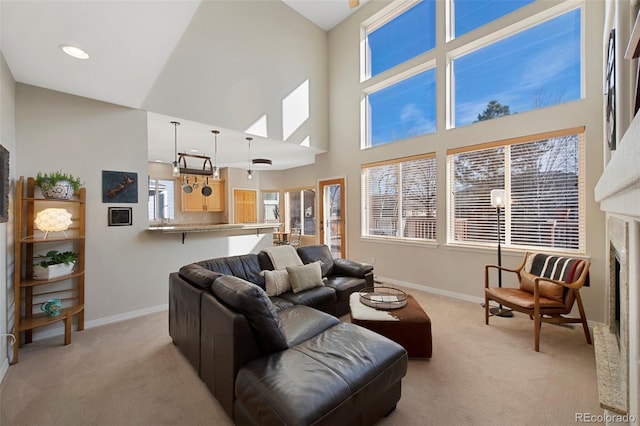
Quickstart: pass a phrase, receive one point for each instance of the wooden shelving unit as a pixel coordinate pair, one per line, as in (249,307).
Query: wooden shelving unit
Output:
(29,293)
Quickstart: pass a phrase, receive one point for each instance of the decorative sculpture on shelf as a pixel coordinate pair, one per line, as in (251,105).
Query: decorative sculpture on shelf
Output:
(51,307)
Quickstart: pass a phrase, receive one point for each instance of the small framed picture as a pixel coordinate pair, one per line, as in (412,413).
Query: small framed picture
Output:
(120,216)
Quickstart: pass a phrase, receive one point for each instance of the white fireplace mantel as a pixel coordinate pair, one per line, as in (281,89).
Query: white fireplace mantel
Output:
(618,359)
(618,190)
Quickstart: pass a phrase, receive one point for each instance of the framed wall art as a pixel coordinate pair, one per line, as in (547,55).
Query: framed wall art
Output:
(119,187)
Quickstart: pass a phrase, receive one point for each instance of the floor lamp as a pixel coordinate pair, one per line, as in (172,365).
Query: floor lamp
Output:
(497,201)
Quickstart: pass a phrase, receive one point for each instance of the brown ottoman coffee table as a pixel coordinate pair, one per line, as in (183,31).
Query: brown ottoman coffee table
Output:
(409,326)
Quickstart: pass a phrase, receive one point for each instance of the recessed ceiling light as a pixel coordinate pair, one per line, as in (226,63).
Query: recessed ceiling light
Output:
(76,52)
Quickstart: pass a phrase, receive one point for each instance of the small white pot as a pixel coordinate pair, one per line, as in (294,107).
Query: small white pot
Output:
(52,271)
(62,190)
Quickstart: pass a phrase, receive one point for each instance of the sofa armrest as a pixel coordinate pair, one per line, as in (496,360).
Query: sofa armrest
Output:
(227,345)
(184,317)
(351,268)
(198,275)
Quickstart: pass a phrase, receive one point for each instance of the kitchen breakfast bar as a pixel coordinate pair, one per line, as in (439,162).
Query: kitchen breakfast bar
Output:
(185,228)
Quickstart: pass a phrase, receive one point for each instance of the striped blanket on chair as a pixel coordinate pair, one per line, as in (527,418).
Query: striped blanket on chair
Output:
(566,269)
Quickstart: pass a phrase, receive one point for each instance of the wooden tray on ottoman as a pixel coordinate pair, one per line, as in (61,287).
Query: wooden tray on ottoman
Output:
(409,326)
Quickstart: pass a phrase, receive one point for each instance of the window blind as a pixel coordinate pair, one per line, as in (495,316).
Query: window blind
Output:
(399,198)
(543,178)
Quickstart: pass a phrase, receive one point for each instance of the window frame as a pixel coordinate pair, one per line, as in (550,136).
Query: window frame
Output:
(156,199)
(375,22)
(451,227)
(502,34)
(265,203)
(365,113)
(287,204)
(365,228)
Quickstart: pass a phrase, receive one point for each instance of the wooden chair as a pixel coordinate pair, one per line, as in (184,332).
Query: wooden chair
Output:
(294,238)
(549,286)
(277,240)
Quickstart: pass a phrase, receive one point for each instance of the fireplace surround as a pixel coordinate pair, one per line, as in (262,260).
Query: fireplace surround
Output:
(611,340)
(618,359)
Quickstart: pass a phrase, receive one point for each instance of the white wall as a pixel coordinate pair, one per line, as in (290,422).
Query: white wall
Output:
(621,14)
(127,268)
(238,61)
(8,140)
(440,266)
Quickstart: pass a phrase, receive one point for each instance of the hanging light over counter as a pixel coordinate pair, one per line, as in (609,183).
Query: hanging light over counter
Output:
(176,167)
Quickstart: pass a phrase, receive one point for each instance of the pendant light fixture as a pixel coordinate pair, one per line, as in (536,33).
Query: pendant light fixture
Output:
(176,167)
(216,172)
(262,162)
(249,172)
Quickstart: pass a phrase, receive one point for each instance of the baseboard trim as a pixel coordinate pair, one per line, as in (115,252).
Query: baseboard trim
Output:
(433,290)
(4,369)
(58,329)
(127,315)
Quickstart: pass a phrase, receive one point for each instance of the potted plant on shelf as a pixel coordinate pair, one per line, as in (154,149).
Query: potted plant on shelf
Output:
(57,184)
(54,264)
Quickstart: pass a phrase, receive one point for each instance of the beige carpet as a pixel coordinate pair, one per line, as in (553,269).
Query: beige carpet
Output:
(130,373)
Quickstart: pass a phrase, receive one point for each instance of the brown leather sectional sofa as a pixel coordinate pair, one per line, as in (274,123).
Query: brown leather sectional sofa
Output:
(284,359)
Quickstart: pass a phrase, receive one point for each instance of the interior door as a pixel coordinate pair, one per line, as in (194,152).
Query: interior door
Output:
(332,216)
(244,206)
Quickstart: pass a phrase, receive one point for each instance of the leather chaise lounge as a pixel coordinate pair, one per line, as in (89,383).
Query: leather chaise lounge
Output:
(284,359)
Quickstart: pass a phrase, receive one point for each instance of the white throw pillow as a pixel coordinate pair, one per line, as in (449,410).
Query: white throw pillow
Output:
(276,282)
(305,277)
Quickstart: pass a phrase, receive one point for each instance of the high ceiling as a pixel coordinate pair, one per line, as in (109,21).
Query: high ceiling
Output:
(126,61)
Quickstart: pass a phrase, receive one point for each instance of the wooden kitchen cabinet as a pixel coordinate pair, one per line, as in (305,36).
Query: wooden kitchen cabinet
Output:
(196,202)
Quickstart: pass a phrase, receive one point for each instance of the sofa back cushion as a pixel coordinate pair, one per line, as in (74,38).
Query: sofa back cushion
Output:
(251,300)
(245,266)
(310,254)
(198,275)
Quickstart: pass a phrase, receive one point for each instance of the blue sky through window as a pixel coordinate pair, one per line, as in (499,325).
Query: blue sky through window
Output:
(535,68)
(531,69)
(472,14)
(405,109)
(403,38)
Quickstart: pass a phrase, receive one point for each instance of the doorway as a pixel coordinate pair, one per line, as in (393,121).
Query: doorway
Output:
(244,206)
(332,216)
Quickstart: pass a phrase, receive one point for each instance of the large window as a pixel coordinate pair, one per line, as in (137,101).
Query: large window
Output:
(399,198)
(409,31)
(161,200)
(404,104)
(471,14)
(404,109)
(520,66)
(543,178)
(300,208)
(534,68)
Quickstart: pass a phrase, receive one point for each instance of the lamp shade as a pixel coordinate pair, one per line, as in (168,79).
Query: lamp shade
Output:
(53,220)
(497,198)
